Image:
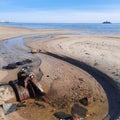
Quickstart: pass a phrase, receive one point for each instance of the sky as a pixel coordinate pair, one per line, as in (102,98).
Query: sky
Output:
(60,11)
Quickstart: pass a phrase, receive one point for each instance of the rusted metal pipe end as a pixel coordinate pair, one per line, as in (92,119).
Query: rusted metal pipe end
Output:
(21,92)
(32,90)
(27,86)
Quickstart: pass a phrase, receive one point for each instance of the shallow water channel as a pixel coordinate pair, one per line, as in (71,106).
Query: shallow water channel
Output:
(14,49)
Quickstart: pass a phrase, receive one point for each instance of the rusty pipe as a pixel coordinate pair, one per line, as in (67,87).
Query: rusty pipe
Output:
(22,93)
(13,92)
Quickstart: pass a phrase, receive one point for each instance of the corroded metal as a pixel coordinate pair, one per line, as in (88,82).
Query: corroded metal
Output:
(27,86)
(22,92)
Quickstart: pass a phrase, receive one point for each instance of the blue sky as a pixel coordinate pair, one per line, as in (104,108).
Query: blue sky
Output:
(65,11)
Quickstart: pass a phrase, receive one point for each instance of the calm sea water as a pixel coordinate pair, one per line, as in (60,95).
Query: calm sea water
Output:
(86,28)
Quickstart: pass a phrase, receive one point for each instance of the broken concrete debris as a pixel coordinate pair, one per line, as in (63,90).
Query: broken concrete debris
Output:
(9,107)
(7,94)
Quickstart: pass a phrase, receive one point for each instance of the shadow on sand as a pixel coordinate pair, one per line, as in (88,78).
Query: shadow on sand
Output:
(103,79)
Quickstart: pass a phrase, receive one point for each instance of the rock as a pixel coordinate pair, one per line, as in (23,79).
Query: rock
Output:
(84,101)
(40,50)
(4,53)
(20,63)
(95,64)
(28,61)
(47,76)
(63,116)
(24,62)
(79,111)
(11,66)
(34,51)
(9,107)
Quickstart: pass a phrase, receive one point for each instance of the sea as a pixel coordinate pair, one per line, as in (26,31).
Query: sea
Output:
(84,28)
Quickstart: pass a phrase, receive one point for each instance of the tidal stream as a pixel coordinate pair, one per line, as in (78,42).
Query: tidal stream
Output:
(14,49)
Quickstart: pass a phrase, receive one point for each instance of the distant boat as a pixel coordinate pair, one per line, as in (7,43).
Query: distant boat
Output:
(107,22)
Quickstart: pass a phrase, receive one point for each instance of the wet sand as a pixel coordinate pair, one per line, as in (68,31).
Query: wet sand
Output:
(96,54)
(62,58)
(10,32)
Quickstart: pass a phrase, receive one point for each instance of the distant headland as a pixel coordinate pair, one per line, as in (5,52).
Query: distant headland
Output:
(107,22)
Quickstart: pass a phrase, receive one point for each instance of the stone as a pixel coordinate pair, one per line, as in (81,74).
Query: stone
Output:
(84,101)
(8,108)
(34,51)
(40,50)
(79,111)
(20,63)
(63,116)
(11,66)
(28,61)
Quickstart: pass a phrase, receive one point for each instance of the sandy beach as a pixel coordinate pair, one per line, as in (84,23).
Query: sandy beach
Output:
(98,51)
(74,67)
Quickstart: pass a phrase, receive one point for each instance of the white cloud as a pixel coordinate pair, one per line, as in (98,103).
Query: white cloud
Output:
(61,16)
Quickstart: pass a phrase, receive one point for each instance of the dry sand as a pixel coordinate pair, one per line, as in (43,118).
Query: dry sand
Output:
(98,51)
(62,68)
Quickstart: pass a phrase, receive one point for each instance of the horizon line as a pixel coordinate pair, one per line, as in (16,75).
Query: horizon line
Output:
(58,22)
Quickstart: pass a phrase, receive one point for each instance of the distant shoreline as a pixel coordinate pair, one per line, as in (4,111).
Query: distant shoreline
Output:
(86,28)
